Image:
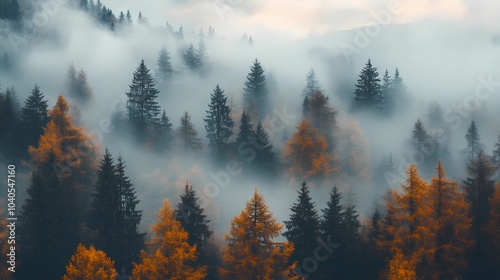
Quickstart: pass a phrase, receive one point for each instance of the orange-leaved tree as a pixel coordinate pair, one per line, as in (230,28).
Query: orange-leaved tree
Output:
(413,229)
(90,264)
(452,226)
(170,255)
(306,153)
(251,252)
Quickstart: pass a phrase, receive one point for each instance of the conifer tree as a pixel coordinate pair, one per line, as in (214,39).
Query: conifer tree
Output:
(312,84)
(190,214)
(188,134)
(413,233)
(478,190)
(398,86)
(218,122)
(331,229)
(169,255)
(450,212)
(164,67)
(305,152)
(246,130)
(473,140)
(492,235)
(56,202)
(34,116)
(265,158)
(202,52)
(321,114)
(10,124)
(252,253)
(90,264)
(191,58)
(129,18)
(162,136)
(255,92)
(302,229)
(143,109)
(367,90)
(419,138)
(385,99)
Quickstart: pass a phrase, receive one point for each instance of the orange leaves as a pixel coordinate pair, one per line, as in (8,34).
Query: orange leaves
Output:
(251,252)
(90,264)
(306,152)
(171,253)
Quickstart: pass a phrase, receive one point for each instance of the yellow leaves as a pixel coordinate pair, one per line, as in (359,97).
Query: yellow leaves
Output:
(90,264)
(171,252)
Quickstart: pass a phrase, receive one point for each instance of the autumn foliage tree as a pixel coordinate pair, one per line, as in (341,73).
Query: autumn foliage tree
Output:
(63,165)
(306,154)
(90,264)
(251,252)
(413,223)
(452,225)
(170,254)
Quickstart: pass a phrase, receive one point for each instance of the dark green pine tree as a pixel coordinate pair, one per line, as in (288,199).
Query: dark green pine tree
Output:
(191,58)
(218,123)
(312,84)
(265,159)
(375,254)
(351,253)
(305,108)
(164,67)
(47,230)
(246,130)
(105,213)
(367,90)
(121,19)
(385,98)
(129,18)
(496,152)
(255,92)
(188,134)
(10,124)
(479,188)
(303,228)
(163,135)
(143,109)
(190,214)
(34,117)
(331,231)
(398,86)
(131,240)
(419,137)
(473,141)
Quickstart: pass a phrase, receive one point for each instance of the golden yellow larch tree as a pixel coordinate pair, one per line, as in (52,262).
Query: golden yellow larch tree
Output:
(451,226)
(251,252)
(401,268)
(306,153)
(414,229)
(90,264)
(170,254)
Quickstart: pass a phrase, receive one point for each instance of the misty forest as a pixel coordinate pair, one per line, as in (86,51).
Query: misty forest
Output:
(230,139)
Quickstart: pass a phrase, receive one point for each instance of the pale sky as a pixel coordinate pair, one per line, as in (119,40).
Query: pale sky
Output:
(302,18)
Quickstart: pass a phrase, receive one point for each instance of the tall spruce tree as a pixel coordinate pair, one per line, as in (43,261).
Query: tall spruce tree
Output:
(385,98)
(190,214)
(367,92)
(331,231)
(312,84)
(246,131)
(473,141)
(143,109)
(303,227)
(218,122)
(188,134)
(191,58)
(479,188)
(164,67)
(265,158)
(34,116)
(255,92)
